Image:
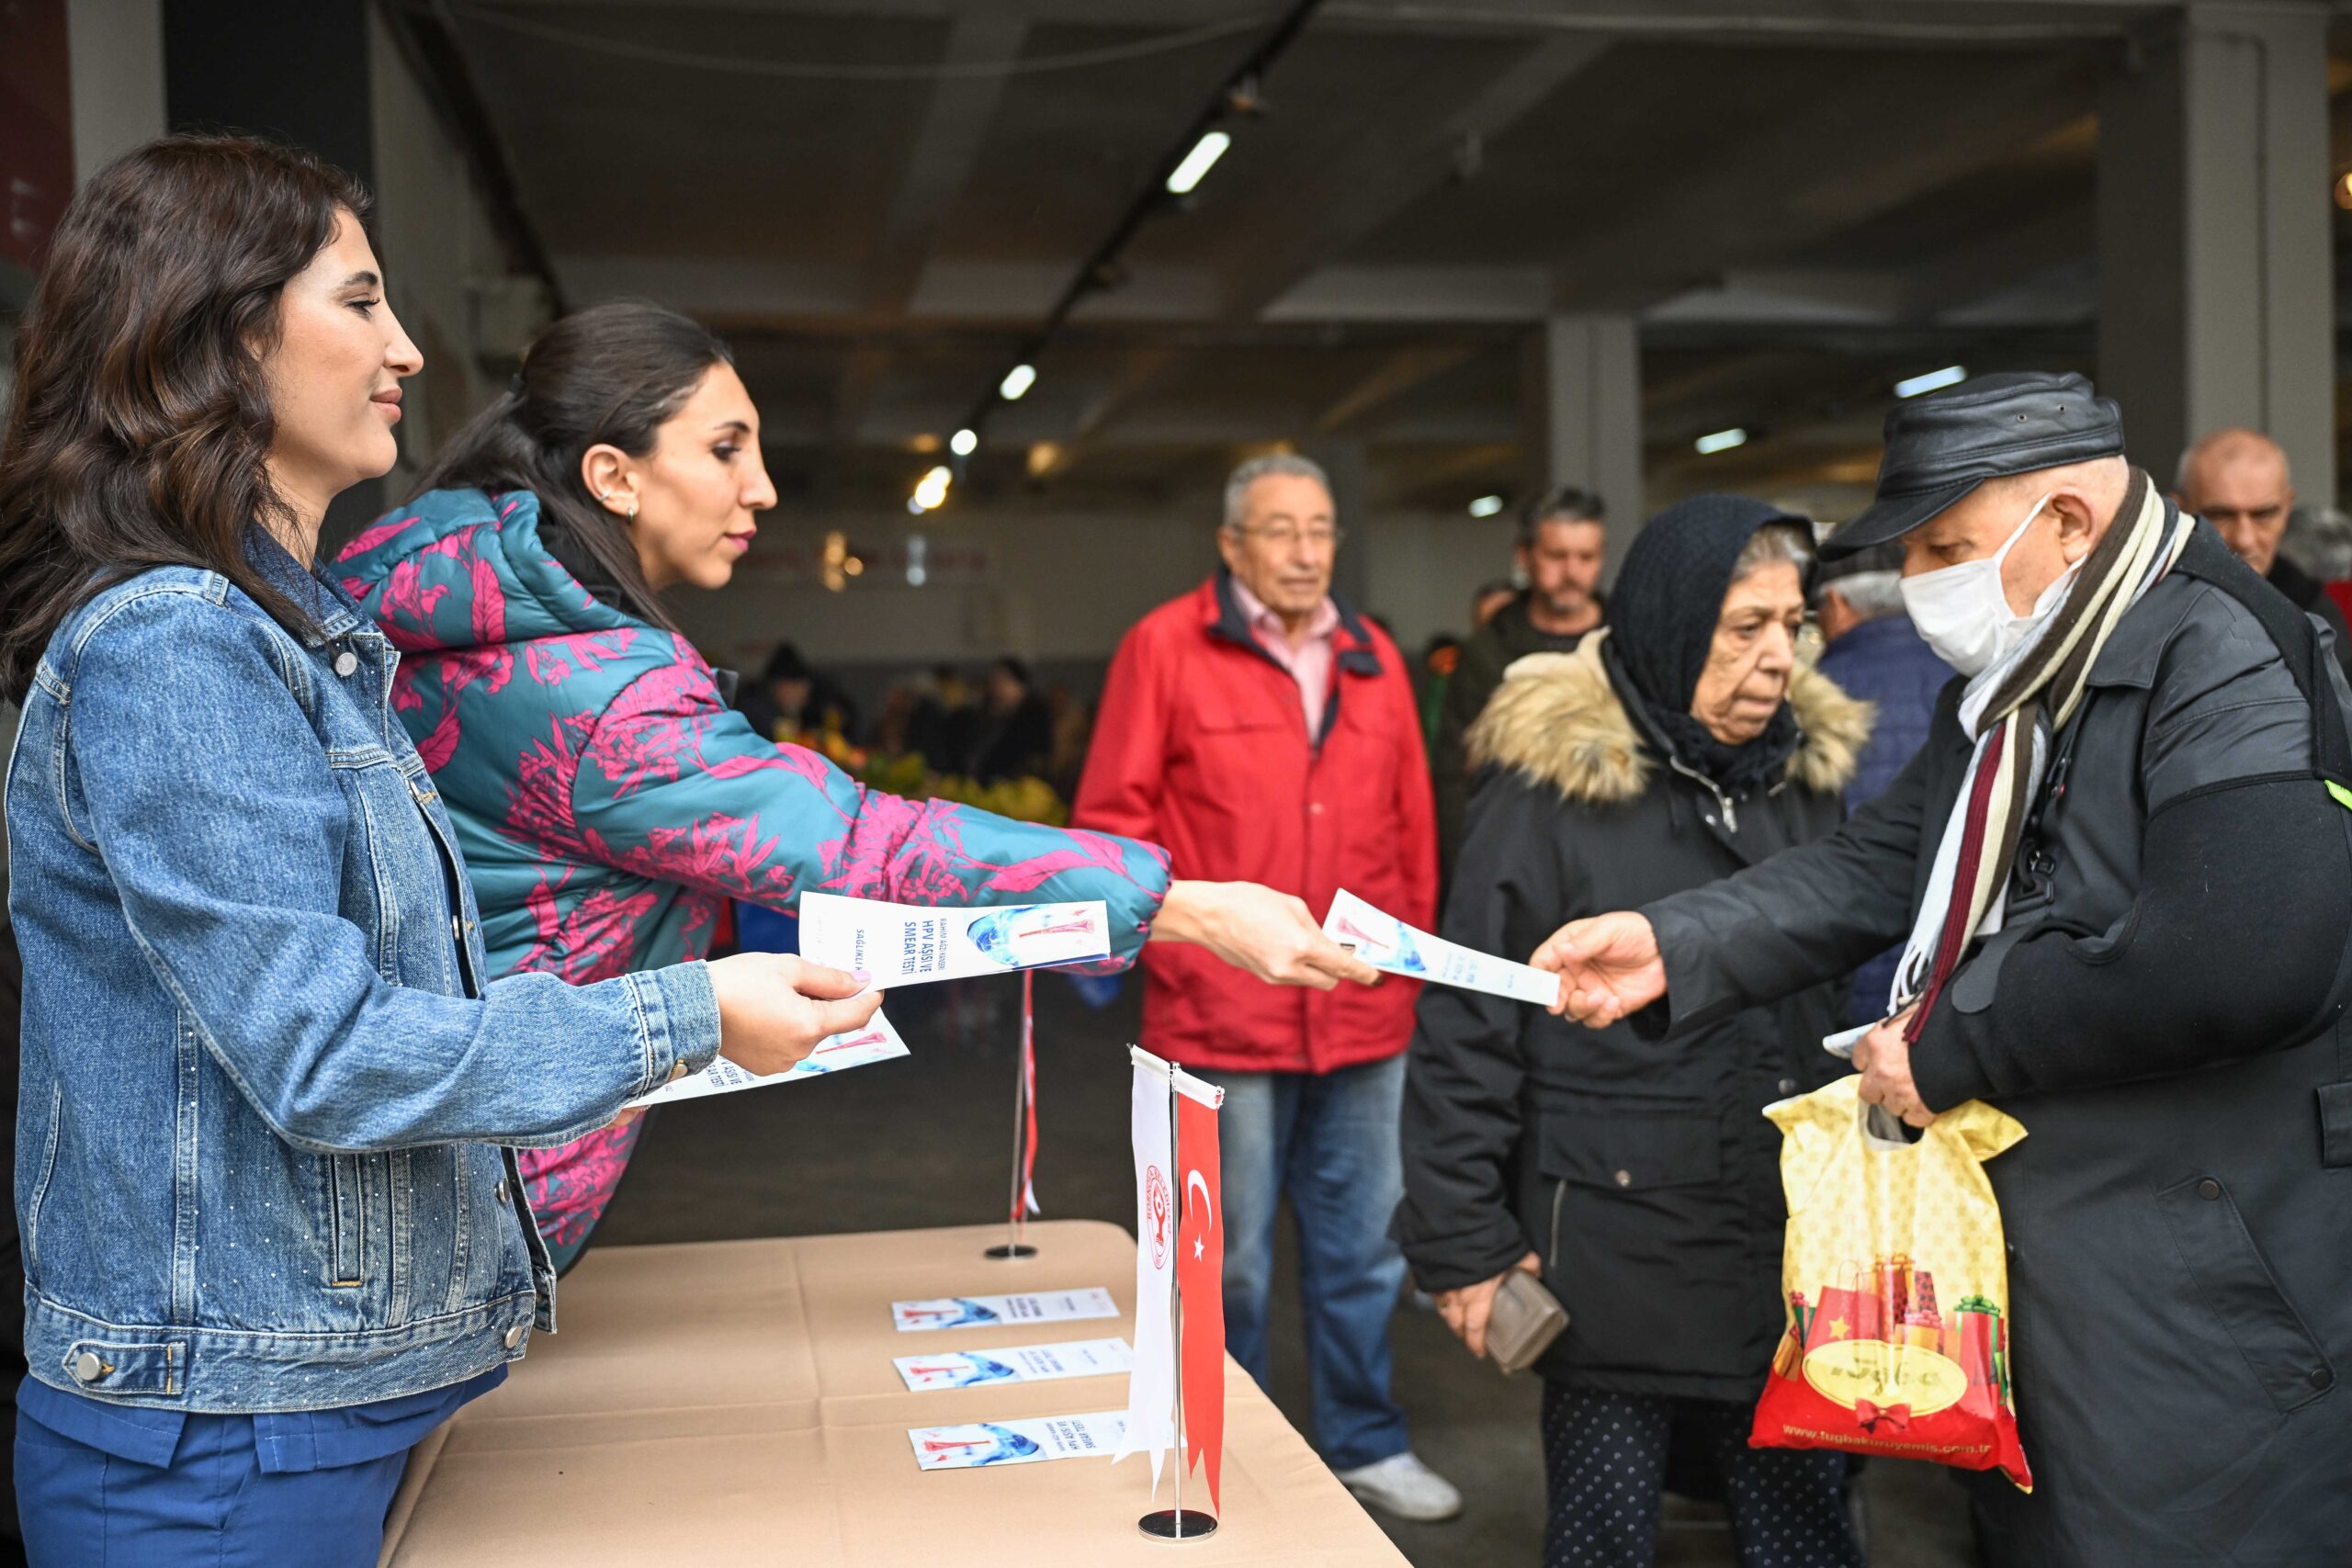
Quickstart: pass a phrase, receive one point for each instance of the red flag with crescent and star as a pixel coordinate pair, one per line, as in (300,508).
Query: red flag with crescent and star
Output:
(1200,1277)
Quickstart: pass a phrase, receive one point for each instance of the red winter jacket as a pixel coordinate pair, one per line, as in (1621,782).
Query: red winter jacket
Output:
(1201,747)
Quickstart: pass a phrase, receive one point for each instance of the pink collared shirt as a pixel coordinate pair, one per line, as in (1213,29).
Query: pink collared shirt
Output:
(1308,661)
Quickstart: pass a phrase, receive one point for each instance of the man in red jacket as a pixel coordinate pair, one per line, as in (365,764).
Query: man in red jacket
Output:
(1262,731)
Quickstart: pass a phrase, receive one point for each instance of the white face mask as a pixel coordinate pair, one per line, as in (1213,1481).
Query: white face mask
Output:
(1963,613)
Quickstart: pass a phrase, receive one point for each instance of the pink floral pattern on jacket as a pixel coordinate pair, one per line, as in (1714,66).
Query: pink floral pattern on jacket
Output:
(609,801)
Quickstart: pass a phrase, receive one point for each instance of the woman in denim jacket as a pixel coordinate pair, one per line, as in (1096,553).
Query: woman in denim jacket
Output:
(271,1237)
(608,799)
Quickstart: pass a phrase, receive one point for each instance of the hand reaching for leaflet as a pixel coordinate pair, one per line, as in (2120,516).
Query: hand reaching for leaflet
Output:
(1269,934)
(1465,1310)
(774,1008)
(1608,967)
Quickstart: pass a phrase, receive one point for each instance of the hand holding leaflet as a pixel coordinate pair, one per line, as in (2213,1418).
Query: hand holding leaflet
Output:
(1389,944)
(902,944)
(878,1042)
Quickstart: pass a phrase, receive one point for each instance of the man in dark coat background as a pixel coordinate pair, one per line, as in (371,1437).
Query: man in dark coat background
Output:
(2159,1003)
(1561,545)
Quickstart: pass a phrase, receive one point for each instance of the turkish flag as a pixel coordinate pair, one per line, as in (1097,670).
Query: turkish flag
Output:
(1200,1277)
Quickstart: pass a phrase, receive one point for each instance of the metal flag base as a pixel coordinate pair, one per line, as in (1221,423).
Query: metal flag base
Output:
(1178,1524)
(1011,1249)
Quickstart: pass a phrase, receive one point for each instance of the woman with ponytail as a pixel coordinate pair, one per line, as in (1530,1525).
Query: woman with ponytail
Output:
(609,798)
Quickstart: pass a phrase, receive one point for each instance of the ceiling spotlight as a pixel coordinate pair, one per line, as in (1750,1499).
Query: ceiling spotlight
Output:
(2344,190)
(1017,380)
(964,443)
(1721,441)
(1486,506)
(1198,161)
(931,492)
(1934,380)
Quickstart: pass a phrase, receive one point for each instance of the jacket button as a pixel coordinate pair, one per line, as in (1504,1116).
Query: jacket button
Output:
(2209,1190)
(345,663)
(2322,1377)
(1316,809)
(1625,1179)
(501,1193)
(87,1368)
(2010,1247)
(515,1337)
(1788,1086)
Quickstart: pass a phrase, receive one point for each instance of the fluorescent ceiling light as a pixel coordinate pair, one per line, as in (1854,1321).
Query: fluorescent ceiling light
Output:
(1934,380)
(964,443)
(1721,441)
(1017,380)
(1486,506)
(931,491)
(1198,163)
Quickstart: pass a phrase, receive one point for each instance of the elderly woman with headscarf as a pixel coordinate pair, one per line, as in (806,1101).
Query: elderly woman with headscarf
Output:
(1639,1180)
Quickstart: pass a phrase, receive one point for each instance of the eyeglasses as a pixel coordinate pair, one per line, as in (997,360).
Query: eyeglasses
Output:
(1287,537)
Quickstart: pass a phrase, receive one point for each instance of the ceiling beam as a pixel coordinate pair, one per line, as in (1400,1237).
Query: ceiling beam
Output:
(1874,146)
(1143,369)
(1366,169)
(955,127)
(1392,378)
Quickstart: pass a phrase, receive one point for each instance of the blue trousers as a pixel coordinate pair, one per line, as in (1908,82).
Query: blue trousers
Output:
(1329,1140)
(213,1505)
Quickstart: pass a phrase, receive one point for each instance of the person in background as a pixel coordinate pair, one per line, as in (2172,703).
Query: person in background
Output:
(1017,734)
(1562,543)
(275,1234)
(608,800)
(793,700)
(1264,731)
(1440,656)
(1684,742)
(2237,480)
(1876,655)
(1488,602)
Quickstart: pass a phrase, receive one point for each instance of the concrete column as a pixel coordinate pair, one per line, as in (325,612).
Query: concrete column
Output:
(1582,410)
(2216,304)
(116,49)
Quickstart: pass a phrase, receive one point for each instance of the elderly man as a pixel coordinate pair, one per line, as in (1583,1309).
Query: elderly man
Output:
(1266,732)
(2236,480)
(1562,542)
(2136,948)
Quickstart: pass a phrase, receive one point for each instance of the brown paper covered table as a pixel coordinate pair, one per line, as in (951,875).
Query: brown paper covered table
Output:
(724,1402)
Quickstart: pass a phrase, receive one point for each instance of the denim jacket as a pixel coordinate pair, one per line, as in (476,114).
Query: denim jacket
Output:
(258,1161)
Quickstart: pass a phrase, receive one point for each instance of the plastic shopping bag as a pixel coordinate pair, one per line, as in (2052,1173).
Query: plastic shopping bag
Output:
(1897,1292)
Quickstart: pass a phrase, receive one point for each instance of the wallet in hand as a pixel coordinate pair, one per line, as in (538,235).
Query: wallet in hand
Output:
(1523,1322)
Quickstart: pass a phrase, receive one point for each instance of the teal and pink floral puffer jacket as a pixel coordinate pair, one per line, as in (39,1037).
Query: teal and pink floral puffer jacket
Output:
(609,801)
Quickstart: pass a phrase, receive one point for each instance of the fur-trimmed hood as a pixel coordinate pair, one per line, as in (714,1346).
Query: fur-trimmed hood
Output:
(1558,719)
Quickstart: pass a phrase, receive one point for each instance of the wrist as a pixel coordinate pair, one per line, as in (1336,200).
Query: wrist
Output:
(1183,913)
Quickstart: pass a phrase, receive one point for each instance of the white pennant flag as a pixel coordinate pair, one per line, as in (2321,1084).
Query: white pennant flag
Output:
(1151,1387)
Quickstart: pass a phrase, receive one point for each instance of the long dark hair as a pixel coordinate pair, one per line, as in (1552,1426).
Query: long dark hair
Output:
(141,421)
(610,374)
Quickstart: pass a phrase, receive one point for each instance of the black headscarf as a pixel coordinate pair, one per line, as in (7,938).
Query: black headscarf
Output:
(1662,617)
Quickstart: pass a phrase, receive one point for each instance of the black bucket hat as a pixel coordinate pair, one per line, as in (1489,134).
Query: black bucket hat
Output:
(1941,446)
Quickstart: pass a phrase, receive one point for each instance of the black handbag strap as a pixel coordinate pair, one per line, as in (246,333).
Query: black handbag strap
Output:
(2208,559)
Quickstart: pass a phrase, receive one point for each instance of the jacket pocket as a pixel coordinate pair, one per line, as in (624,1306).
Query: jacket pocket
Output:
(2242,1295)
(346,1212)
(1633,1151)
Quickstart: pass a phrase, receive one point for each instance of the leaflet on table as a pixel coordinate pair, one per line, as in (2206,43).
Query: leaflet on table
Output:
(1389,944)
(975,1443)
(1025,1364)
(878,1042)
(901,944)
(1033,1307)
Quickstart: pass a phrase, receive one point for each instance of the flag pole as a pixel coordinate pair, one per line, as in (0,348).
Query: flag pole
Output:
(1015,1244)
(1172,1523)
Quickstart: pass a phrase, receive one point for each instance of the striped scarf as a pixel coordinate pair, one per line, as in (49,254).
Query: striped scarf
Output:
(2011,710)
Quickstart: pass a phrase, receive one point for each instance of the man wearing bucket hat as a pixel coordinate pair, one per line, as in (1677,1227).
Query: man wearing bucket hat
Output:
(2122,868)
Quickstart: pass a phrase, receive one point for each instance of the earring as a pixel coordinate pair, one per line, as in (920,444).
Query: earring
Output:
(632,511)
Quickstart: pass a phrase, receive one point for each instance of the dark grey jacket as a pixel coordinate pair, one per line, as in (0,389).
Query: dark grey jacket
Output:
(1490,650)
(2160,1011)
(1647,1179)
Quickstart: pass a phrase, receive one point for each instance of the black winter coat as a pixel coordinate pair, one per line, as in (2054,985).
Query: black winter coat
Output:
(1647,1179)
(2161,1012)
